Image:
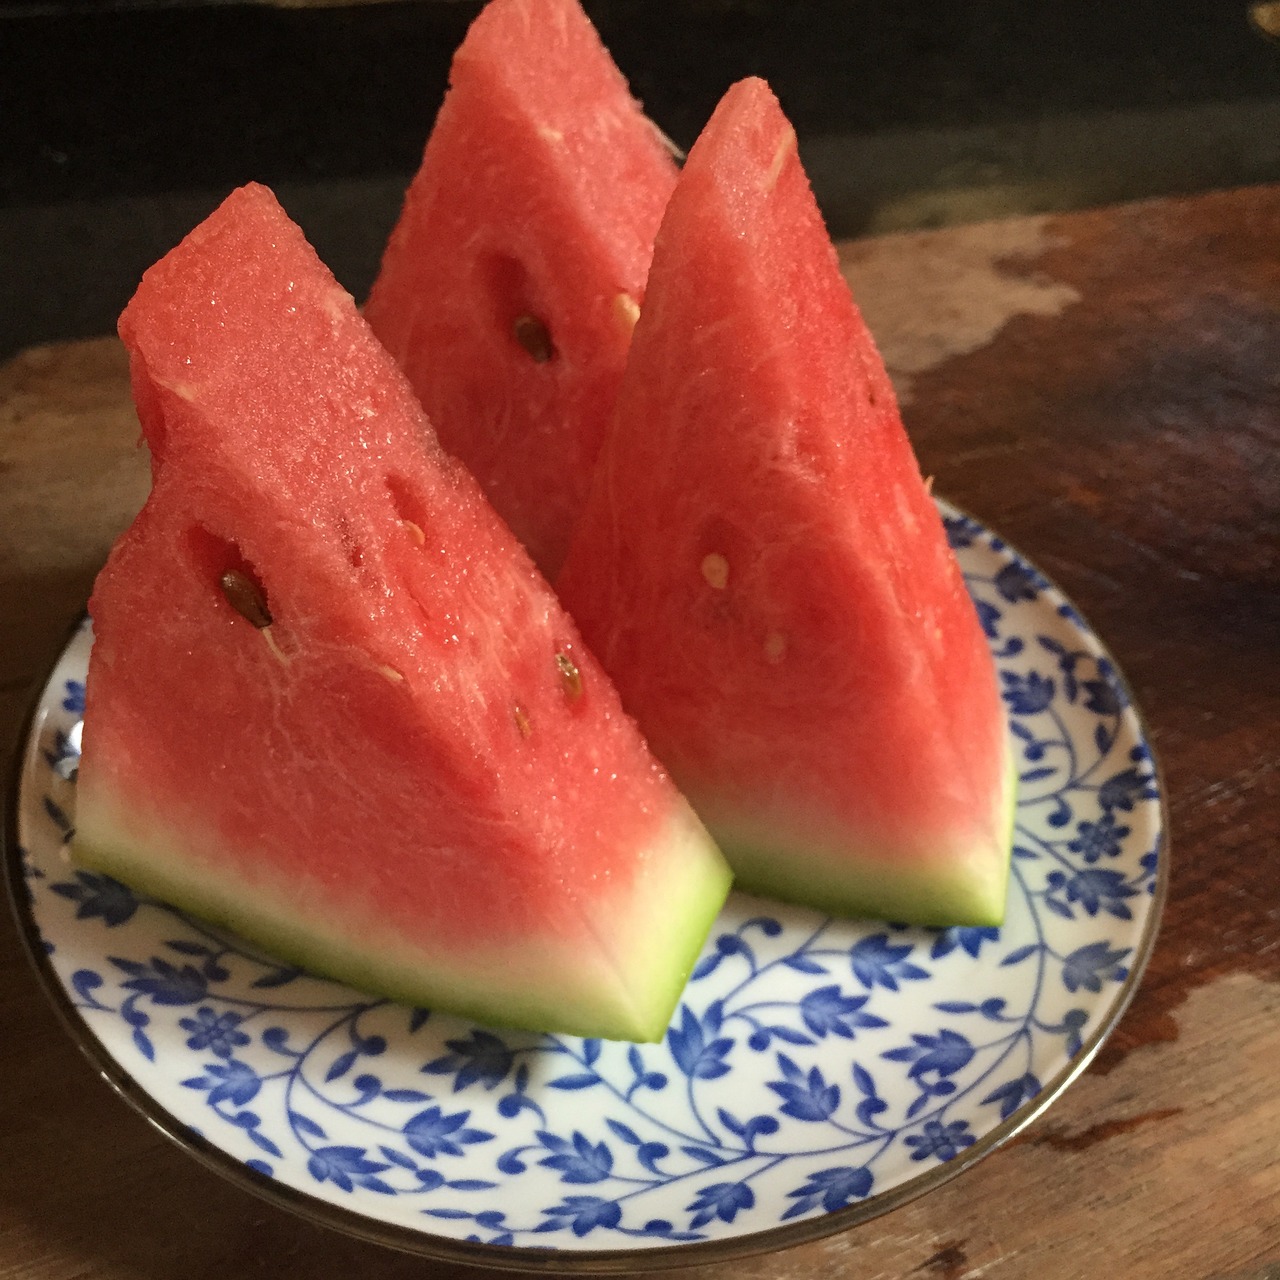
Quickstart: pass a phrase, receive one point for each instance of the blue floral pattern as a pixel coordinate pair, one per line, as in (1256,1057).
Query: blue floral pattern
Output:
(812,1066)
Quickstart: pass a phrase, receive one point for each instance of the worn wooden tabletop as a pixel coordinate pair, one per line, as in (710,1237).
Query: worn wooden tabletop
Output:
(1104,389)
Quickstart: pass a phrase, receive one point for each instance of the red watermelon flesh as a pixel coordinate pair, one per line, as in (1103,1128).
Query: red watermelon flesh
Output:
(413,776)
(762,571)
(511,283)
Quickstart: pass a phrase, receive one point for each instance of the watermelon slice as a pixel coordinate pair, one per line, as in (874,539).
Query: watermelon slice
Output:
(332,704)
(511,283)
(762,571)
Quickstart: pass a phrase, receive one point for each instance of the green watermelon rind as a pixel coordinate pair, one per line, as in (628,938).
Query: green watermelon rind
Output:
(961,886)
(664,938)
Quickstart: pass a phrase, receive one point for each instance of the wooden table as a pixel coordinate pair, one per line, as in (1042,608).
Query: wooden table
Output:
(1104,389)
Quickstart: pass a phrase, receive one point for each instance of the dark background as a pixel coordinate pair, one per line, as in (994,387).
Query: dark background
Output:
(120,127)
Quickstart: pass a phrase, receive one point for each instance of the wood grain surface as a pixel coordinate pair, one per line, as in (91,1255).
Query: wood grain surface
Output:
(1104,389)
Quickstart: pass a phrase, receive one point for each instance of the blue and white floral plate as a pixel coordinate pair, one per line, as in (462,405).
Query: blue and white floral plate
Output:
(817,1072)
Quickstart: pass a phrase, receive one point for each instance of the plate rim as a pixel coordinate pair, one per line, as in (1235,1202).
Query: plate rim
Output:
(524,1258)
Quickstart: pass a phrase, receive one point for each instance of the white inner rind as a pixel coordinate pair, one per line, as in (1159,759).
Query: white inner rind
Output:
(956,878)
(624,989)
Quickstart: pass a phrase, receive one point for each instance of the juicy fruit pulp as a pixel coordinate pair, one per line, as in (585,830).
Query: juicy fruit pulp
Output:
(330,701)
(761,569)
(511,283)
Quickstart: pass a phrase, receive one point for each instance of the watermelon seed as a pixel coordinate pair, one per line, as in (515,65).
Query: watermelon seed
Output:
(669,143)
(627,309)
(532,335)
(276,651)
(415,532)
(715,568)
(245,597)
(396,677)
(570,676)
(785,147)
(775,647)
(521,719)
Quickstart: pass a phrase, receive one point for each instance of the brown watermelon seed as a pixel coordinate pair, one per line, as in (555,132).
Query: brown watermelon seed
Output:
(570,676)
(521,719)
(245,597)
(1266,17)
(415,532)
(715,568)
(532,335)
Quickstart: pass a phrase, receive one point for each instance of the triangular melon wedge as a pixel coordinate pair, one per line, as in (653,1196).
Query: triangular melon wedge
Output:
(762,571)
(330,701)
(511,283)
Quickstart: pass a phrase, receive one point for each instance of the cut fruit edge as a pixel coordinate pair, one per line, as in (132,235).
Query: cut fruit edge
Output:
(680,896)
(963,881)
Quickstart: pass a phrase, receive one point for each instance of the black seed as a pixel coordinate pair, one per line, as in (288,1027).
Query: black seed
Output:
(570,676)
(245,597)
(532,335)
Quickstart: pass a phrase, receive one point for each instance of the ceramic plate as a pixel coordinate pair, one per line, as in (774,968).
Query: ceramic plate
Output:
(816,1073)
